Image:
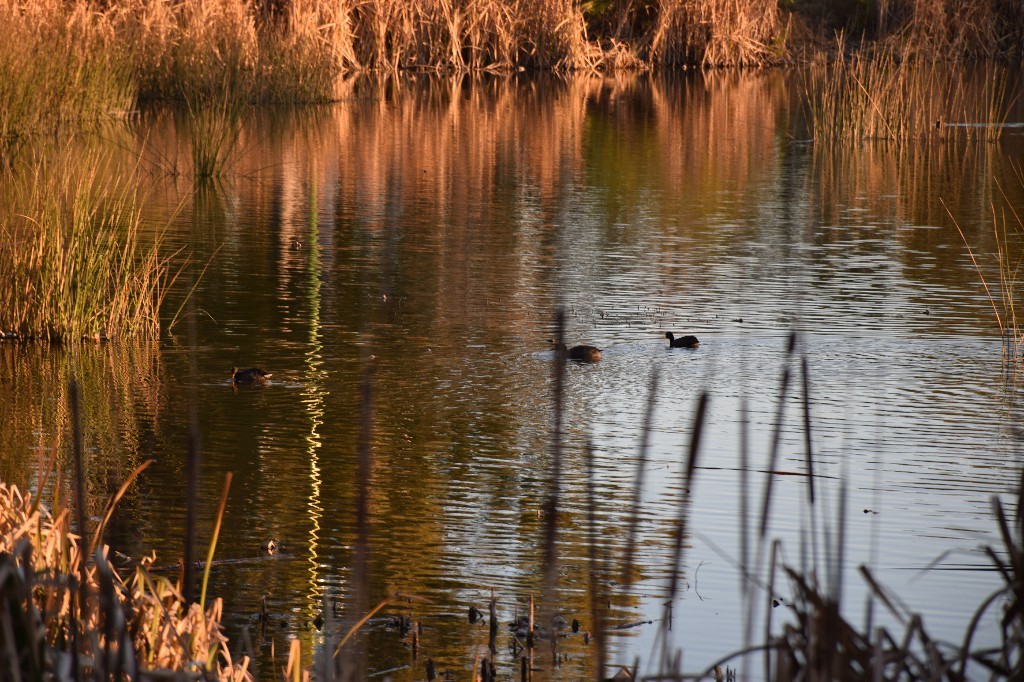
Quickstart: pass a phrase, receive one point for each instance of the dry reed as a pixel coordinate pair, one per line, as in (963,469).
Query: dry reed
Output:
(718,33)
(1008,229)
(124,627)
(57,69)
(299,51)
(894,97)
(73,259)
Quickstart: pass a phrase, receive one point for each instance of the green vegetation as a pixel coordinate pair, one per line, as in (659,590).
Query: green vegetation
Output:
(73,262)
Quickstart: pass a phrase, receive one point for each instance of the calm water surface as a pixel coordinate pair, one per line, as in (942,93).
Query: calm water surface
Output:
(431,230)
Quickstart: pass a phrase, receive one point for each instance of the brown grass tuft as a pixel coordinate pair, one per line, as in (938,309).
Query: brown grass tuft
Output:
(124,627)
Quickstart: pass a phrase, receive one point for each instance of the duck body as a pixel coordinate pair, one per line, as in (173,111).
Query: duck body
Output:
(688,341)
(249,376)
(581,353)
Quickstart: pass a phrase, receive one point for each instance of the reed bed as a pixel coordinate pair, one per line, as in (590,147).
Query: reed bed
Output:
(74,263)
(68,614)
(894,97)
(58,68)
(972,29)
(718,33)
(299,51)
(195,49)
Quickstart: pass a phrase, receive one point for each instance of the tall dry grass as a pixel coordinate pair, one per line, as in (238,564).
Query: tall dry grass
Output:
(194,50)
(974,29)
(297,51)
(69,614)
(1004,295)
(74,262)
(895,97)
(453,35)
(57,69)
(718,33)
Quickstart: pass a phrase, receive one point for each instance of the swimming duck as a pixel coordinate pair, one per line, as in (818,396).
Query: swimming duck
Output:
(251,375)
(581,353)
(688,341)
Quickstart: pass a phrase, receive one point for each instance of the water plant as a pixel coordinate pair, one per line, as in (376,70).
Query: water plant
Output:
(214,129)
(894,96)
(1008,230)
(74,262)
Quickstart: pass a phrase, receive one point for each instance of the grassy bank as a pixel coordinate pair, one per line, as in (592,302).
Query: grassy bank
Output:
(295,50)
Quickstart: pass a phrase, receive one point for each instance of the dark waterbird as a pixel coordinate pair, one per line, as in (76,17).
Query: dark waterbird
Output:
(249,376)
(688,341)
(581,353)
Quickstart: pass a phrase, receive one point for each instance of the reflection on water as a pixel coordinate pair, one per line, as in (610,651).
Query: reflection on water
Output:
(431,229)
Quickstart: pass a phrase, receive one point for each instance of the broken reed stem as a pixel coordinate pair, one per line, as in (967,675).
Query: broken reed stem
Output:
(970,252)
(597,611)
(773,452)
(638,482)
(354,666)
(809,457)
(76,448)
(112,504)
(769,608)
(684,507)
(213,541)
(551,504)
(192,454)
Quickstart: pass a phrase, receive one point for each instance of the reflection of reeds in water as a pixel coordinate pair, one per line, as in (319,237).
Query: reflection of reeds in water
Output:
(120,388)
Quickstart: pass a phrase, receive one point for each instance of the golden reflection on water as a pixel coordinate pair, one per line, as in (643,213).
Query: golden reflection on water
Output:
(313,394)
(442,221)
(121,397)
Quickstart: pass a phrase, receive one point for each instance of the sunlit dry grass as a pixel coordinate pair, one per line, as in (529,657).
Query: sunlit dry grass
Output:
(194,48)
(895,97)
(73,260)
(115,626)
(718,32)
(57,69)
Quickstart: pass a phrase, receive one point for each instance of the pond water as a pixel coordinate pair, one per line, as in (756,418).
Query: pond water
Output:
(430,230)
